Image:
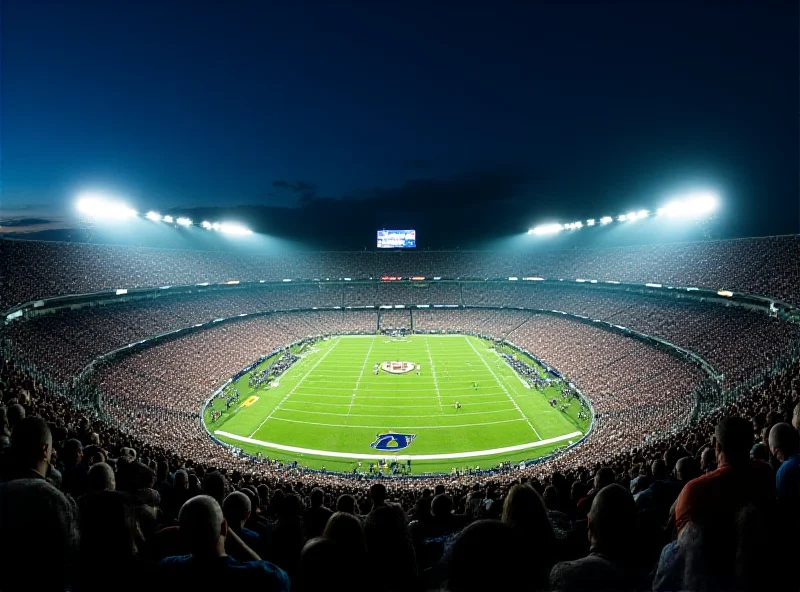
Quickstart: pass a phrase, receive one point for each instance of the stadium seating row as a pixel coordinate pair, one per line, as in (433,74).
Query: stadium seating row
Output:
(765,266)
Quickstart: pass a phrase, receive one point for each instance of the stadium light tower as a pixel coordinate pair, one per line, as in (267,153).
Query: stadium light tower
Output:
(692,206)
(547,229)
(184,222)
(169,219)
(590,222)
(96,205)
(606,220)
(234,229)
(154,216)
(206,224)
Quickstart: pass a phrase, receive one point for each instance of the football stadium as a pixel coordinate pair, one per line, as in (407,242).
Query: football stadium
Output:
(435,297)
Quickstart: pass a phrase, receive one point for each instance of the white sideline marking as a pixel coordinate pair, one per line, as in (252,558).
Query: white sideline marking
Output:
(294,388)
(517,374)
(360,376)
(505,390)
(450,455)
(433,372)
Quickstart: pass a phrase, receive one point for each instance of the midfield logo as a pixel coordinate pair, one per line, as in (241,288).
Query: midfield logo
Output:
(397,367)
(392,441)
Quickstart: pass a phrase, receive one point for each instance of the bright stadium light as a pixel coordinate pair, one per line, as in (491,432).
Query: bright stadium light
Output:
(590,222)
(184,222)
(694,205)
(631,216)
(205,224)
(546,229)
(95,205)
(234,229)
(154,216)
(169,219)
(573,226)
(642,214)
(622,218)
(606,220)
(216,226)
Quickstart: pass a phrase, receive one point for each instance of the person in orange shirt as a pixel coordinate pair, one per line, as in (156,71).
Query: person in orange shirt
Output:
(737,482)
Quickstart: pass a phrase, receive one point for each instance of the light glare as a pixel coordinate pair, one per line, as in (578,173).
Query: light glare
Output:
(98,206)
(184,221)
(546,229)
(234,229)
(168,219)
(606,220)
(154,216)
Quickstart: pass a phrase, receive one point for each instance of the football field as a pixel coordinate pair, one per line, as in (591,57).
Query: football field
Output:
(330,409)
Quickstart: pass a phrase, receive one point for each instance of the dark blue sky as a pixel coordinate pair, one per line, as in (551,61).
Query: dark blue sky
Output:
(569,107)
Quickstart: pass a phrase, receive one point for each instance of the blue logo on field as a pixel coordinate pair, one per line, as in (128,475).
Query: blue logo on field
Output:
(392,441)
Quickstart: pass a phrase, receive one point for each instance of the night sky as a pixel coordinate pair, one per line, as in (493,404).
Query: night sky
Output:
(342,117)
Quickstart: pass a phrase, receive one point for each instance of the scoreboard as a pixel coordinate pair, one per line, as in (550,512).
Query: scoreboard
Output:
(397,239)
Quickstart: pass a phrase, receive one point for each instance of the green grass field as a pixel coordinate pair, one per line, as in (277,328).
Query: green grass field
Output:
(330,406)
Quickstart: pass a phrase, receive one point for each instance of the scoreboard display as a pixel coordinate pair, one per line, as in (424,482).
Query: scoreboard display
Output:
(397,239)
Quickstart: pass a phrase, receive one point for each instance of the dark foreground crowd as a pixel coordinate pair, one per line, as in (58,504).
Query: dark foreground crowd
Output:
(83,509)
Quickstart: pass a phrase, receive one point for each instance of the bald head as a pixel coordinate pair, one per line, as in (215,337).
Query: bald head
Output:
(203,526)
(687,469)
(612,519)
(101,478)
(783,441)
(236,508)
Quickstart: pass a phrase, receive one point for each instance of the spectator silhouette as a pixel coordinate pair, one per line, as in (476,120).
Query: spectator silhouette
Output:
(737,482)
(31,449)
(612,534)
(38,536)
(524,511)
(208,566)
(486,555)
(317,516)
(236,509)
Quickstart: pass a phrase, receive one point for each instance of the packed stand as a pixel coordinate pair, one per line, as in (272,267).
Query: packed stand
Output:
(766,266)
(714,507)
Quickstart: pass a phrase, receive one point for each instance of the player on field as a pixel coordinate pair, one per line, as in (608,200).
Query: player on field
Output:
(475,385)
(457,405)
(417,369)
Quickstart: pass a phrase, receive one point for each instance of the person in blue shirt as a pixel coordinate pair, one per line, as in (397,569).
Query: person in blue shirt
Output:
(208,566)
(236,509)
(784,443)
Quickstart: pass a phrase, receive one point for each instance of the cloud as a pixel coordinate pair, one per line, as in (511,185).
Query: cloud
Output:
(300,189)
(24,222)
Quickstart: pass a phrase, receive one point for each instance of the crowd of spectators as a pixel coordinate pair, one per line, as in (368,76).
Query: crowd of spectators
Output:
(137,489)
(767,266)
(713,506)
(735,341)
(639,393)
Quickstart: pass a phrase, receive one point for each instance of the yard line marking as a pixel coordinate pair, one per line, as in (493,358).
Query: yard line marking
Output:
(361,456)
(295,387)
(299,396)
(433,372)
(393,416)
(372,427)
(500,384)
(360,376)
